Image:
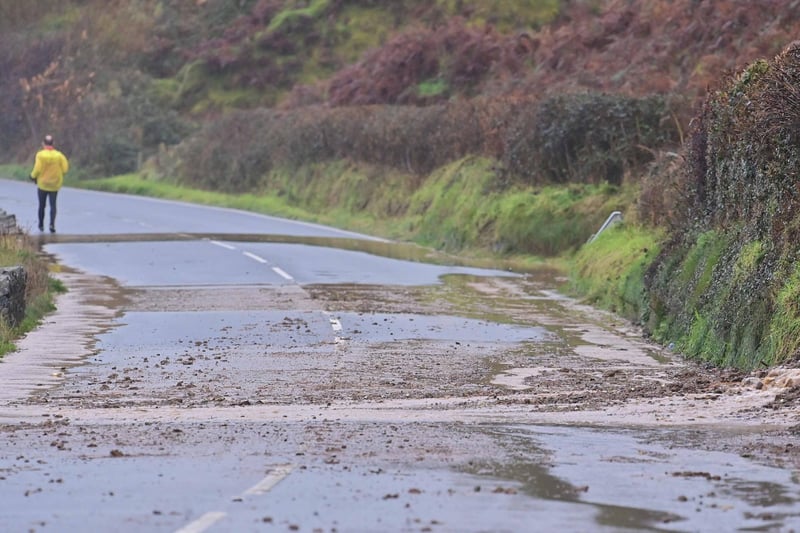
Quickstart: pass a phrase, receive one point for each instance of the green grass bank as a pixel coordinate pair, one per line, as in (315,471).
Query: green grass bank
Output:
(40,292)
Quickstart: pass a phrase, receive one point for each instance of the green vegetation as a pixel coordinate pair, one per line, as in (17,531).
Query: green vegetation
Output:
(510,15)
(40,289)
(784,338)
(434,87)
(724,291)
(361,28)
(15,171)
(609,271)
(700,263)
(461,206)
(288,16)
(136,184)
(456,209)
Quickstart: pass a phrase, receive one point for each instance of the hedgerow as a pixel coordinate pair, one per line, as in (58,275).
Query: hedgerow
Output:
(574,138)
(743,220)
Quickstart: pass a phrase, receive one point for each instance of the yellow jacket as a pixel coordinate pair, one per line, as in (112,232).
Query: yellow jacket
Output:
(49,169)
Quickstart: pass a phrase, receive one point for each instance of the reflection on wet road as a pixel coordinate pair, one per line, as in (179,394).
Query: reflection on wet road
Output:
(640,479)
(203,263)
(325,475)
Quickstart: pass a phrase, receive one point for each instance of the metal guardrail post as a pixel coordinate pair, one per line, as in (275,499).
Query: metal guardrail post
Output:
(613,218)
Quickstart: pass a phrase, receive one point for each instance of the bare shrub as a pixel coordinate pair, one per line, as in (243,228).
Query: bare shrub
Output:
(388,72)
(298,137)
(230,154)
(777,111)
(462,58)
(589,138)
(664,199)
(20,120)
(14,14)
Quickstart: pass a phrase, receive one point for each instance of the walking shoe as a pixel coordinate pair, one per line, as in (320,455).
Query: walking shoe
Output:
(41,227)
(52,228)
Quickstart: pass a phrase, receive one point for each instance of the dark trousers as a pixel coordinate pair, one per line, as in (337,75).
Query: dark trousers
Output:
(43,198)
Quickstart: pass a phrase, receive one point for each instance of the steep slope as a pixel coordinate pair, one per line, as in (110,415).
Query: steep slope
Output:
(726,286)
(123,77)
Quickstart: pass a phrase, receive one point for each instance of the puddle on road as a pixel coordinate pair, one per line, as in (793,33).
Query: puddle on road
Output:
(381,327)
(570,478)
(589,333)
(131,492)
(400,498)
(464,309)
(395,476)
(646,479)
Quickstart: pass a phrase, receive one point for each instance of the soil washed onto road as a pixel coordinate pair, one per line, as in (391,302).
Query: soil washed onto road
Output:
(597,369)
(346,379)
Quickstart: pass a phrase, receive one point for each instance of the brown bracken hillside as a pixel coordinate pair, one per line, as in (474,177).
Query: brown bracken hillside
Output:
(125,77)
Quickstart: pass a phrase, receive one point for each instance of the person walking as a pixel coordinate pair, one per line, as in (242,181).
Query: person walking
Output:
(48,174)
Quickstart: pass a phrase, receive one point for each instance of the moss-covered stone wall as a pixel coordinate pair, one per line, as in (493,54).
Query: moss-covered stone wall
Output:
(724,287)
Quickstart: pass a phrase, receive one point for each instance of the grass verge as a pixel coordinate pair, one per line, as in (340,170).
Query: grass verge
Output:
(459,208)
(609,271)
(40,290)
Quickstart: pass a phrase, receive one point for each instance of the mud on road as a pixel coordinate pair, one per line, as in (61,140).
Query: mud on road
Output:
(589,367)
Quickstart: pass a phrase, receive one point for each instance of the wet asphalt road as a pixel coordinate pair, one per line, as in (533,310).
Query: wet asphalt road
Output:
(225,384)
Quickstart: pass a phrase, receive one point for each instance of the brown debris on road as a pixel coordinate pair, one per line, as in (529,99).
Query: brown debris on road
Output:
(595,369)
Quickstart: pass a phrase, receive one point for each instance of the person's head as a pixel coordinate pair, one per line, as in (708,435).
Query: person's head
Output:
(48,140)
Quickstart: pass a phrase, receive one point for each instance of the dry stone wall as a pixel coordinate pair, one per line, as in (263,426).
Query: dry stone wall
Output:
(8,223)
(13,280)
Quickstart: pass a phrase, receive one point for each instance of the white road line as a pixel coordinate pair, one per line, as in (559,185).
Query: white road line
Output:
(272,479)
(277,474)
(223,245)
(279,271)
(202,523)
(255,257)
(282,274)
(336,326)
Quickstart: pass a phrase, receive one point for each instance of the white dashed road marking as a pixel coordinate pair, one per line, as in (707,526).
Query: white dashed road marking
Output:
(273,478)
(202,523)
(336,326)
(279,271)
(223,245)
(255,257)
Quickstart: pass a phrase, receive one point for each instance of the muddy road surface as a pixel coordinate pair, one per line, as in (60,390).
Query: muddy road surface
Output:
(211,370)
